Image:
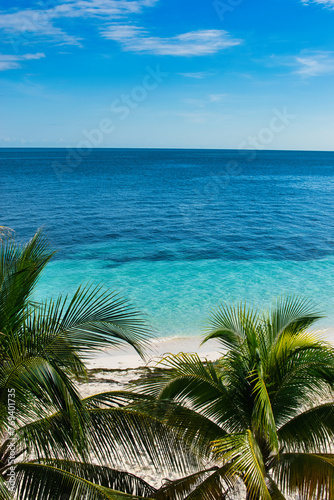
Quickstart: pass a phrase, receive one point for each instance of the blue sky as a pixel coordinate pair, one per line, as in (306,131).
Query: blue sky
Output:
(167,73)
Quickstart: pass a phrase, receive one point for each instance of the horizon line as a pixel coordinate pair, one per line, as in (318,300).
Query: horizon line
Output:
(175,149)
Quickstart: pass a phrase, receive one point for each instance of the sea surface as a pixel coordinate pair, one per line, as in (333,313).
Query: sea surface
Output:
(178,231)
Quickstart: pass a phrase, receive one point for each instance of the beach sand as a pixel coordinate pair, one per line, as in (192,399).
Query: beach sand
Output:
(113,369)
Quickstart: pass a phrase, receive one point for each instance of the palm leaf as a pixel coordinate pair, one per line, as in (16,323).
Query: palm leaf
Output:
(274,491)
(20,269)
(311,475)
(244,454)
(293,314)
(5,492)
(198,384)
(231,325)
(191,428)
(263,416)
(208,484)
(311,430)
(112,434)
(215,487)
(105,476)
(94,318)
(46,482)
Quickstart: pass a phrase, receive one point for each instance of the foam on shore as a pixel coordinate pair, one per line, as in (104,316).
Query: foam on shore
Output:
(127,358)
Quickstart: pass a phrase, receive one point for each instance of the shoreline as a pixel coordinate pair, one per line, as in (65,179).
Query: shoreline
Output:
(114,368)
(125,358)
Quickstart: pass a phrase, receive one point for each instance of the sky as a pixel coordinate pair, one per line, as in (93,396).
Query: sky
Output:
(229,74)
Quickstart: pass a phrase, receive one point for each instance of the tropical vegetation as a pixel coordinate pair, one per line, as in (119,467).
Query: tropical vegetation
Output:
(263,416)
(48,433)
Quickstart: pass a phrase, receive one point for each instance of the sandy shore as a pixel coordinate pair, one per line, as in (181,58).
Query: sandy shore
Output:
(113,369)
(127,358)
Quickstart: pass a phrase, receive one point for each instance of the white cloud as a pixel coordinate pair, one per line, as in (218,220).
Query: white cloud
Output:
(101,8)
(315,64)
(309,63)
(195,43)
(40,22)
(22,26)
(198,76)
(35,24)
(325,3)
(13,62)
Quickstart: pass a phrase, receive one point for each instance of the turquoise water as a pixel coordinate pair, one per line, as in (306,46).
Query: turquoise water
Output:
(178,231)
(178,296)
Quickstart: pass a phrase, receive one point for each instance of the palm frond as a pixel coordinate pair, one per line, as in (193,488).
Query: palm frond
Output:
(6,490)
(310,475)
(215,487)
(274,491)
(243,453)
(43,385)
(114,399)
(179,489)
(104,476)
(301,377)
(293,314)
(231,324)
(20,269)
(47,482)
(191,428)
(198,383)
(208,484)
(94,318)
(263,417)
(311,430)
(113,434)
(131,433)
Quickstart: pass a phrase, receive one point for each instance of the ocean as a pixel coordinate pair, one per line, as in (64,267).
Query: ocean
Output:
(178,231)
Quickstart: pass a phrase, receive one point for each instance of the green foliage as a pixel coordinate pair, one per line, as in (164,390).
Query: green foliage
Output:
(258,411)
(43,347)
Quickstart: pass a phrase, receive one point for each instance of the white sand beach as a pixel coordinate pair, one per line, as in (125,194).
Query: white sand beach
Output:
(114,368)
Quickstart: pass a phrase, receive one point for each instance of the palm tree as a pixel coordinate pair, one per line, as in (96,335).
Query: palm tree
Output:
(50,431)
(262,416)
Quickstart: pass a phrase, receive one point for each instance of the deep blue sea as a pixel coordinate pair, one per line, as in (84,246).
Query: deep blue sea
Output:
(178,231)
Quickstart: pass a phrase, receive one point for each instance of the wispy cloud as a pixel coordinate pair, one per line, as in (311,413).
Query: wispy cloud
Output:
(216,97)
(315,64)
(200,103)
(195,43)
(101,8)
(198,76)
(309,63)
(29,25)
(35,24)
(13,62)
(42,22)
(326,3)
